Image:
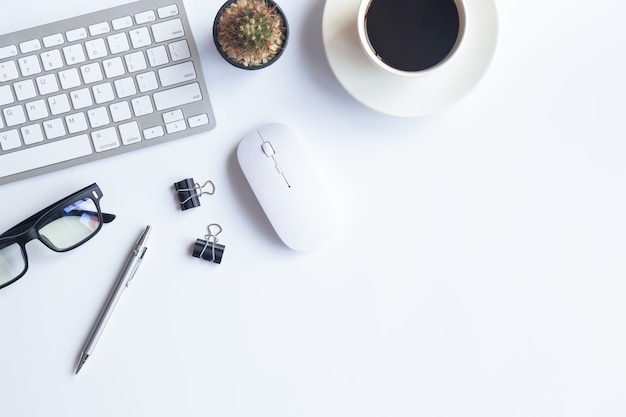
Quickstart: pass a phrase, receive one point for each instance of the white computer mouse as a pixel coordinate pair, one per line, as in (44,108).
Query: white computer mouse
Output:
(289,188)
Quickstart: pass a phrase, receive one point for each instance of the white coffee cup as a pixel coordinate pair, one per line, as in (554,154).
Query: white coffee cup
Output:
(410,37)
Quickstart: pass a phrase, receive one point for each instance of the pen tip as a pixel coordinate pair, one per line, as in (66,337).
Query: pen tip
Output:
(83,359)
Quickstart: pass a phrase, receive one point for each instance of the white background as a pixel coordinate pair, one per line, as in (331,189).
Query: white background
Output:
(478,271)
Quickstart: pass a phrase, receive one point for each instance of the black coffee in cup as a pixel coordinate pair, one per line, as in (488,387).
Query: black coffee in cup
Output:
(412,35)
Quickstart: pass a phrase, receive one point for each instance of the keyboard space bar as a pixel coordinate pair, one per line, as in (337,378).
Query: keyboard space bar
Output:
(44,155)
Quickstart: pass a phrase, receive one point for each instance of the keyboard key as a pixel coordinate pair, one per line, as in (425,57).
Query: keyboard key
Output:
(99,28)
(44,155)
(59,104)
(32,134)
(54,128)
(130,133)
(96,48)
(91,73)
(125,87)
(98,117)
(24,90)
(8,51)
(105,139)
(30,46)
(173,116)
(140,37)
(147,82)
(103,93)
(47,84)
(177,74)
(178,96)
(8,71)
(157,56)
(114,67)
(76,123)
(120,111)
(81,98)
(153,132)
(118,43)
(53,40)
(145,17)
(165,31)
(142,106)
(76,34)
(179,50)
(14,115)
(51,60)
(199,120)
(135,62)
(174,127)
(122,23)
(74,54)
(10,140)
(167,11)
(36,110)
(6,97)
(69,78)
(29,65)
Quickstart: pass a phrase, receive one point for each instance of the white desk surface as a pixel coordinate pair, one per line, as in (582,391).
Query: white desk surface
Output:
(479,269)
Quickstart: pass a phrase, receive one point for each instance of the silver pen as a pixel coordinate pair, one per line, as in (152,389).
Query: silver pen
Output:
(124,279)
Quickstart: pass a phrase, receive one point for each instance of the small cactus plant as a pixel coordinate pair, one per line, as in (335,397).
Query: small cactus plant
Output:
(250,33)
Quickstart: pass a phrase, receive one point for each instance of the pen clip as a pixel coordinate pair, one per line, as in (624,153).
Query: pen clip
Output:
(137,255)
(136,266)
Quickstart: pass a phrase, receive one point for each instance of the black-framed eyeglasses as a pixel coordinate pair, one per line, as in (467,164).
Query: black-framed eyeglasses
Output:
(62,226)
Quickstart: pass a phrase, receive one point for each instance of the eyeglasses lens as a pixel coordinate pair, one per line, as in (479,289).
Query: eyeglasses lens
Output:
(12,262)
(71,225)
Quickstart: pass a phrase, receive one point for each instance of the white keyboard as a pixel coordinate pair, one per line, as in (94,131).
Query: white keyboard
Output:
(98,85)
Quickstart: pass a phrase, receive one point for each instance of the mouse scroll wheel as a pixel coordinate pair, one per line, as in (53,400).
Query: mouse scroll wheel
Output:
(268,149)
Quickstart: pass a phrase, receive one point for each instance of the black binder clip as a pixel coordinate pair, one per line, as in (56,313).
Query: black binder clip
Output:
(189,192)
(208,248)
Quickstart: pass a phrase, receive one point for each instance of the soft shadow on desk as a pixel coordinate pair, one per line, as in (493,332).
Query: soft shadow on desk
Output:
(251,207)
(317,62)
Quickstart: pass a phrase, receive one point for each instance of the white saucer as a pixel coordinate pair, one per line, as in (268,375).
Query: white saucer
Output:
(408,96)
